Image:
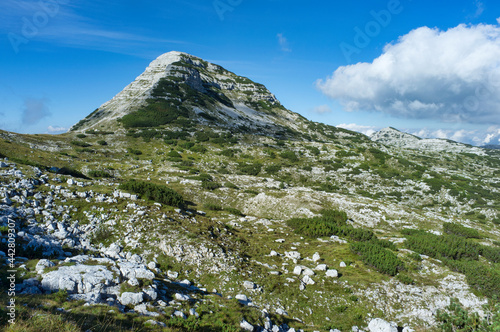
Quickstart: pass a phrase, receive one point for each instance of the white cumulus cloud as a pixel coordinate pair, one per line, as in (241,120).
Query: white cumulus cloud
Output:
(451,76)
(367,130)
(473,137)
(56,129)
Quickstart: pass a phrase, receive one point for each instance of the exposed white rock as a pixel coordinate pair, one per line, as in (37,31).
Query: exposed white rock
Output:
(380,325)
(246,325)
(332,273)
(129,298)
(42,264)
(248,285)
(182,297)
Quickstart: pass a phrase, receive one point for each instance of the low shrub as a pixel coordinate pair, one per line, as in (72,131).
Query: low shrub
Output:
(80,144)
(234,211)
(444,246)
(209,185)
(134,151)
(212,206)
(250,169)
(155,192)
(228,153)
(459,230)
(405,279)
(199,149)
(99,174)
(378,257)
(231,185)
(289,155)
(174,154)
(273,169)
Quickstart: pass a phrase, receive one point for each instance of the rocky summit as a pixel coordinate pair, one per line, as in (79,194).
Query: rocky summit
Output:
(195,201)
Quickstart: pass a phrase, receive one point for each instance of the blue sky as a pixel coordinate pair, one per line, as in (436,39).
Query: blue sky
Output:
(425,67)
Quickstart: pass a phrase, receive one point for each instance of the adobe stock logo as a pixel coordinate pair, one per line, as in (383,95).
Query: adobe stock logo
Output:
(31,26)
(372,29)
(223,6)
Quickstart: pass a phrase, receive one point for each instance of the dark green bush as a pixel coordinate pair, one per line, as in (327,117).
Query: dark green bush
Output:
(415,256)
(378,257)
(231,185)
(212,206)
(198,149)
(134,151)
(186,145)
(490,253)
(102,142)
(443,247)
(99,174)
(80,143)
(250,169)
(273,169)
(228,152)
(81,135)
(174,154)
(314,150)
(459,230)
(210,185)
(202,136)
(204,177)
(405,279)
(156,113)
(290,155)
(155,192)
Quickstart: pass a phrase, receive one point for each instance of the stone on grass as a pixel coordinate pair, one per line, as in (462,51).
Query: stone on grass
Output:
(182,297)
(332,273)
(129,298)
(321,267)
(42,264)
(246,325)
(380,325)
(242,297)
(248,285)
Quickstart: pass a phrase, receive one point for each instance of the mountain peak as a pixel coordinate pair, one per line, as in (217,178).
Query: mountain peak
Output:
(178,84)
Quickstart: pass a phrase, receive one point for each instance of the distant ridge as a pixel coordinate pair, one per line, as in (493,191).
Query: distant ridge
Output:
(393,137)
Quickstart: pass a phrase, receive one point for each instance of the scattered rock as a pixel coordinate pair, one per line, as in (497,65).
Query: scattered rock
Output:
(380,325)
(321,267)
(129,298)
(42,264)
(241,297)
(248,285)
(332,273)
(246,325)
(182,297)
